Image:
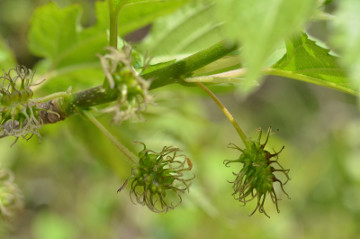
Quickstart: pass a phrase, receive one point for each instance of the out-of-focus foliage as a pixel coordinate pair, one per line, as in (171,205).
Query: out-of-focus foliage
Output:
(186,31)
(56,35)
(6,56)
(261,25)
(69,180)
(346,26)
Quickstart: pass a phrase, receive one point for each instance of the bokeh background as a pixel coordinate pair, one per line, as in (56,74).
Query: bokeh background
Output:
(69,178)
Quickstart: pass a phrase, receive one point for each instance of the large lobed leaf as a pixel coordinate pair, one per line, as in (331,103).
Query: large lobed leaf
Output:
(309,62)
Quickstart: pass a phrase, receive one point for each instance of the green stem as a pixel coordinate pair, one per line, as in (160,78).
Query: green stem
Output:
(227,113)
(113,30)
(114,19)
(121,147)
(178,71)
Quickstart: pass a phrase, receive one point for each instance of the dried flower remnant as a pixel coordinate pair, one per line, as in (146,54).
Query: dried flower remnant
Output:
(257,177)
(158,181)
(133,89)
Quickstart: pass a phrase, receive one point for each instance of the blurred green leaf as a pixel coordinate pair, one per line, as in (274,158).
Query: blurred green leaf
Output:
(49,225)
(261,25)
(189,29)
(137,13)
(56,35)
(346,36)
(7,59)
(309,62)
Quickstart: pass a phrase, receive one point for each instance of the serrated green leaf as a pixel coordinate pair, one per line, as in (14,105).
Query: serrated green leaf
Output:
(186,31)
(346,37)
(309,62)
(260,25)
(7,59)
(137,13)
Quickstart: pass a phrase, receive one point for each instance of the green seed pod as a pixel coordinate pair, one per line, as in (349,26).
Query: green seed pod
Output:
(257,177)
(158,180)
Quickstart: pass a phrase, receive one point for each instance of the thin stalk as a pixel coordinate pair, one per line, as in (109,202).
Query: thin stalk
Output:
(111,137)
(114,19)
(227,114)
(113,30)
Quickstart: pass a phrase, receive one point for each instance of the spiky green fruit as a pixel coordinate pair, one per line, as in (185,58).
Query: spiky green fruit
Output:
(257,177)
(159,178)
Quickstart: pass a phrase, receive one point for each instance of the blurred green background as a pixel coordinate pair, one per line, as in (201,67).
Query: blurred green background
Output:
(69,179)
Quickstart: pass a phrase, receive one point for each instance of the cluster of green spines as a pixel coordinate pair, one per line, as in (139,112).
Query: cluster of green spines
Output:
(257,177)
(119,68)
(18,114)
(158,180)
(11,199)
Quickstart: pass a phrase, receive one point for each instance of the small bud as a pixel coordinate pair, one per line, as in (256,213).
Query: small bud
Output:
(158,179)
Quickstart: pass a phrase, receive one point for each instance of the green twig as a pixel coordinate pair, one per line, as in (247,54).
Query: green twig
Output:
(111,137)
(178,71)
(227,113)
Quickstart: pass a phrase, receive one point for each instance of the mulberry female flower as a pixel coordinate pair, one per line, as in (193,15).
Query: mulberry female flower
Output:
(257,177)
(18,114)
(122,76)
(158,179)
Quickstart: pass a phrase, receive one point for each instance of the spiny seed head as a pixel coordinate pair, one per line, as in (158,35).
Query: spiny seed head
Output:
(118,67)
(11,199)
(19,116)
(158,180)
(257,177)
